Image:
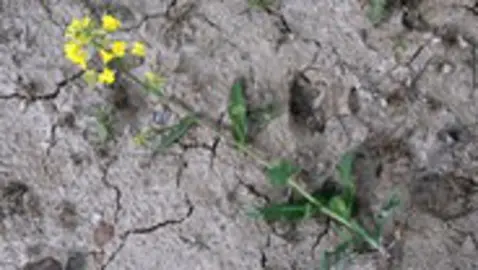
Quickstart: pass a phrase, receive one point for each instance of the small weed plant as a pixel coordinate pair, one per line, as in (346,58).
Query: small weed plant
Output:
(87,39)
(377,10)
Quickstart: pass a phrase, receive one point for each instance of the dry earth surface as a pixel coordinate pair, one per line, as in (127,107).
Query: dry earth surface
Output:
(404,92)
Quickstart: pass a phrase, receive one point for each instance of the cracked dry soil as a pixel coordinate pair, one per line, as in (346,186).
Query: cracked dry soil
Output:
(404,92)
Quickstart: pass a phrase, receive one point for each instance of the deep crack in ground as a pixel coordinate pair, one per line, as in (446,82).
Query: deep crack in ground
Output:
(253,190)
(115,188)
(146,230)
(47,96)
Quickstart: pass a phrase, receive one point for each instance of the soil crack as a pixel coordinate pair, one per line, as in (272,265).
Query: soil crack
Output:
(253,190)
(115,188)
(147,230)
(264,259)
(319,237)
(47,96)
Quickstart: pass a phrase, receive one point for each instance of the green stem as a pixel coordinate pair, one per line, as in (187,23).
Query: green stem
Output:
(168,101)
(353,226)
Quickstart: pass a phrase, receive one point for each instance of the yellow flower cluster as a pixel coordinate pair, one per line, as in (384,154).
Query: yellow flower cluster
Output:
(85,34)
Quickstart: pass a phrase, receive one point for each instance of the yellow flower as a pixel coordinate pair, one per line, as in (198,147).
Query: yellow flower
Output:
(76,54)
(85,22)
(77,28)
(73,28)
(107,76)
(118,48)
(106,56)
(138,49)
(110,23)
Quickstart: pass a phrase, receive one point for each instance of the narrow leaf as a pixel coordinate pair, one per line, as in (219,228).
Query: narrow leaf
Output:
(237,111)
(340,207)
(329,259)
(103,133)
(260,117)
(154,83)
(345,170)
(174,133)
(280,173)
(392,203)
(347,181)
(385,212)
(104,124)
(377,10)
(324,261)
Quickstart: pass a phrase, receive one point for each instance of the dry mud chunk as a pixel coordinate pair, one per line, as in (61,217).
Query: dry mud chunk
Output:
(48,263)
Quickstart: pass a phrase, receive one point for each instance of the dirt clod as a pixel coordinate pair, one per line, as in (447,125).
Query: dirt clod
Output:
(48,263)
(103,233)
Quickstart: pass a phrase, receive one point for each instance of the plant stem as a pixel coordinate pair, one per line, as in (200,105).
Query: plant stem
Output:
(201,121)
(353,226)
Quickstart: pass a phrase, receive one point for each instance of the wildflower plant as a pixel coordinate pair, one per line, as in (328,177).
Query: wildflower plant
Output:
(86,38)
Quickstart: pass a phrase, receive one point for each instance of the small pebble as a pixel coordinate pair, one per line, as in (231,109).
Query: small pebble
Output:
(462,42)
(162,117)
(383,102)
(436,40)
(446,68)
(103,233)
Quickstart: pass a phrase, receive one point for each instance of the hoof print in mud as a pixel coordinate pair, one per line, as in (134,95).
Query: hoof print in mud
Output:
(68,215)
(445,196)
(301,104)
(14,199)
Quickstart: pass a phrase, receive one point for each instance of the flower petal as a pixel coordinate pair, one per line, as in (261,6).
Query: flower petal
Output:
(138,49)
(110,23)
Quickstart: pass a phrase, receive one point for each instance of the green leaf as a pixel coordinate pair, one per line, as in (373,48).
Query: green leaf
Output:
(345,170)
(104,123)
(260,4)
(385,212)
(324,261)
(330,259)
(340,207)
(261,116)
(173,134)
(287,211)
(237,111)
(154,83)
(280,173)
(388,208)
(377,10)
(347,181)
(103,132)
(90,77)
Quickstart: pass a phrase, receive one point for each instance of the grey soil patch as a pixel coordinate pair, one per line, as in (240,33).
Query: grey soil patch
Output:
(403,93)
